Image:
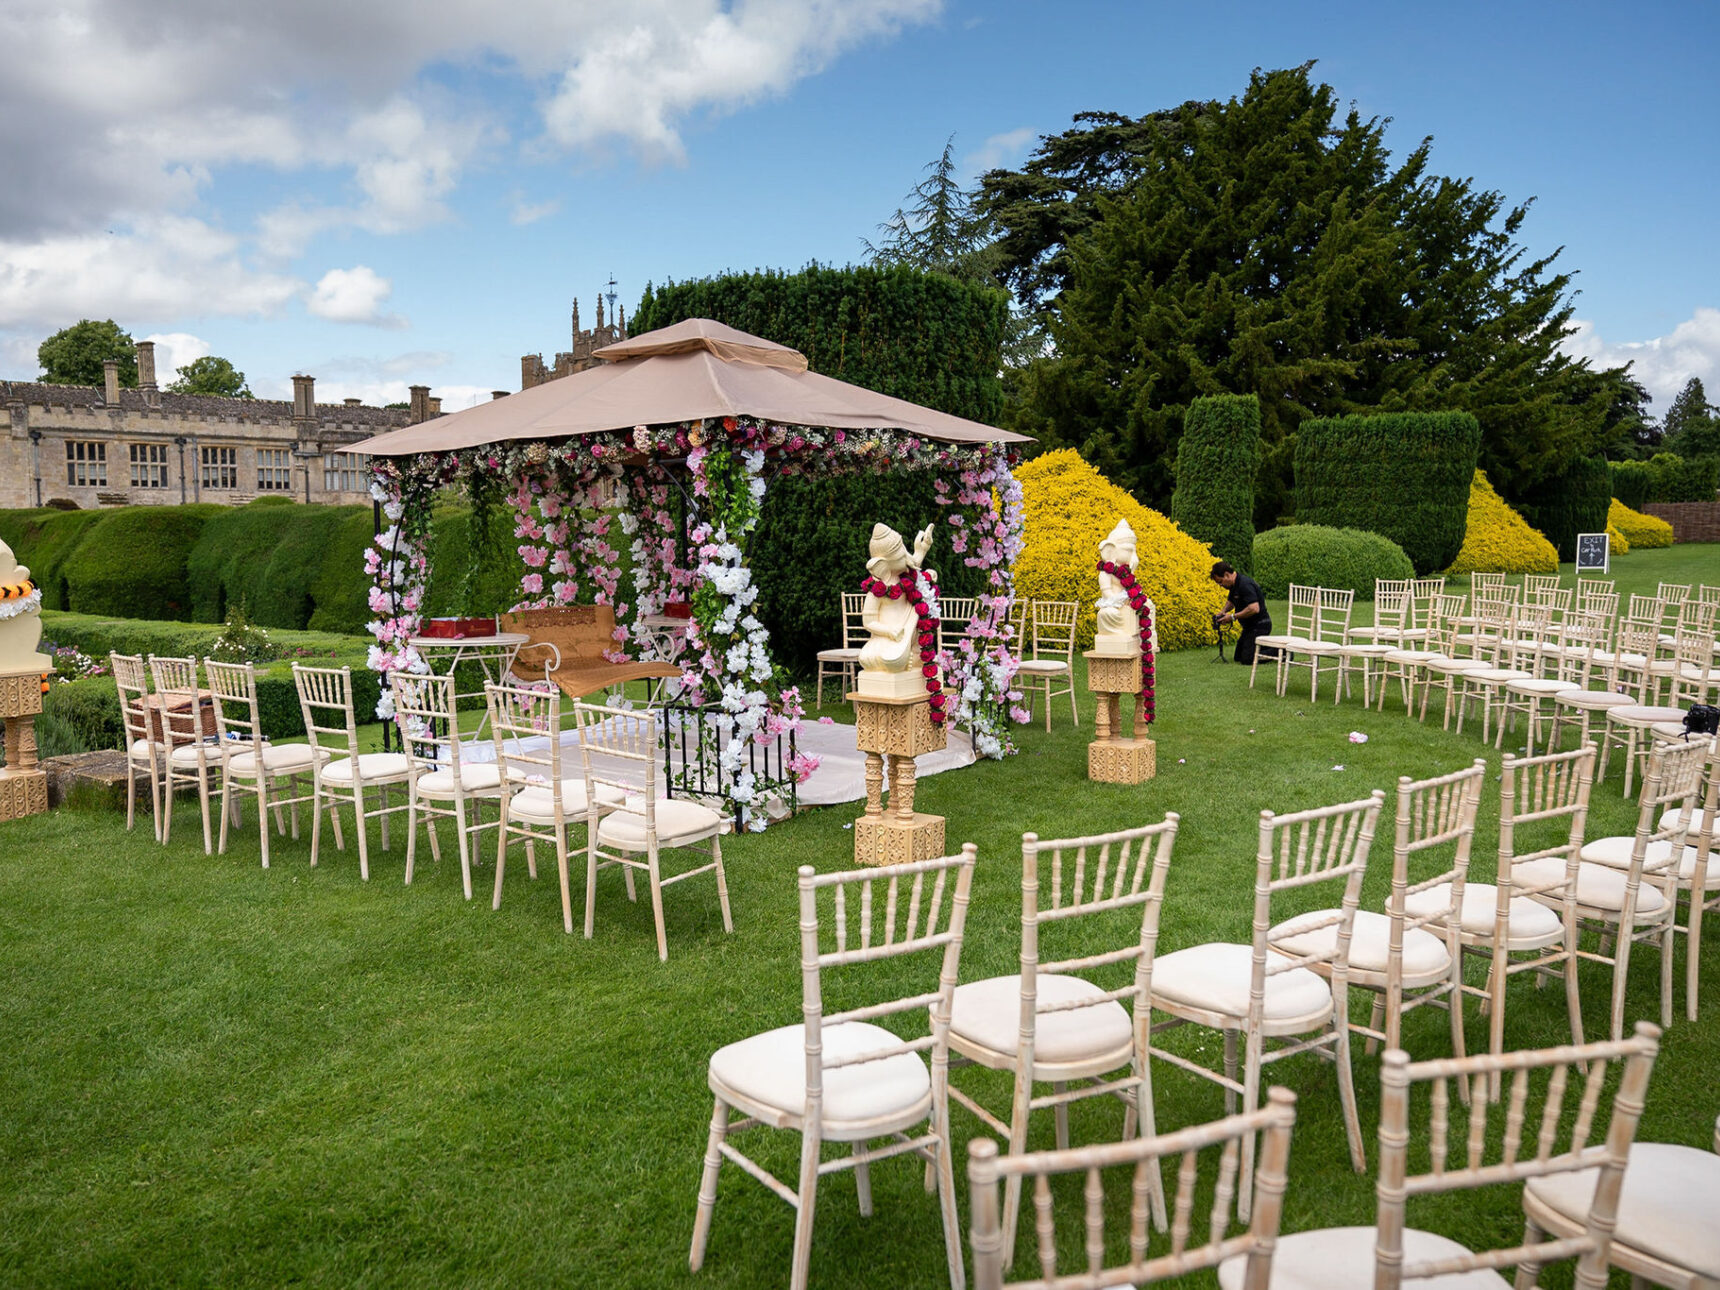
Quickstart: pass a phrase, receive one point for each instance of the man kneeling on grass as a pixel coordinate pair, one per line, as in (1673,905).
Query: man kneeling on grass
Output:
(1247,606)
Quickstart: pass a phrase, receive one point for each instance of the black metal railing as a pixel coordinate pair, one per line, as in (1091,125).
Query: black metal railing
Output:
(694,738)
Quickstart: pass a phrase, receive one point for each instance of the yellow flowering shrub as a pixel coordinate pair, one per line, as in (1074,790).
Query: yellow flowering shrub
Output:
(1642,530)
(1620,543)
(1498,540)
(1069,508)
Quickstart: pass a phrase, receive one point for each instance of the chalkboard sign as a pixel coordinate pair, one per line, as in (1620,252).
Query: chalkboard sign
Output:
(1593,552)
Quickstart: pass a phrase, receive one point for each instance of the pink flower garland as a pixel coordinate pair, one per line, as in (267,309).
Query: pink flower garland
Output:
(1138,602)
(924,600)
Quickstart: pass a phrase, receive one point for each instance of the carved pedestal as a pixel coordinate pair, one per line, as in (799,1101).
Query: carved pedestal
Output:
(895,731)
(23,786)
(1114,757)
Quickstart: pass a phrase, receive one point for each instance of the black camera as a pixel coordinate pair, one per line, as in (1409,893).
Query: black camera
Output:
(1218,620)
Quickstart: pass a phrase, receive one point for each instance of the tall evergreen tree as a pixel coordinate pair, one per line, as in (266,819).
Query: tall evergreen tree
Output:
(1692,423)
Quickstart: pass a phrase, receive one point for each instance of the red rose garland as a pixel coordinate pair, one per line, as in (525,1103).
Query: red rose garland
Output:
(907,587)
(1138,602)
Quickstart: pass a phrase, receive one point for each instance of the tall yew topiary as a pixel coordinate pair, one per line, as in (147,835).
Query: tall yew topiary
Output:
(1564,505)
(1403,475)
(1217,460)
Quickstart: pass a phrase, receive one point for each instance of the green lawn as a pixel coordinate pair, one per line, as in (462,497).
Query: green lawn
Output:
(216,1074)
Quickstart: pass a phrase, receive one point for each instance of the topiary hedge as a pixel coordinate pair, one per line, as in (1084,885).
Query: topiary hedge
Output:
(1645,531)
(1403,475)
(1665,477)
(1318,556)
(1070,508)
(268,558)
(1498,540)
(44,539)
(1217,460)
(1564,505)
(132,564)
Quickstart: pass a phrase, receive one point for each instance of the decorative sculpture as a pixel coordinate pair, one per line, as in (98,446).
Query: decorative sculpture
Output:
(1120,663)
(890,660)
(1119,625)
(23,787)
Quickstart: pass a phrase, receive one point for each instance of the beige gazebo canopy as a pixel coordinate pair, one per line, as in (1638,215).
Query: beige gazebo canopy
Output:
(694,369)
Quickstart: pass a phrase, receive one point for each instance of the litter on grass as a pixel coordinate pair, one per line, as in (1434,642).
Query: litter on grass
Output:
(1357,737)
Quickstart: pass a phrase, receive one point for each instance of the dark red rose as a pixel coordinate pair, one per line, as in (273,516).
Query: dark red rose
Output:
(929,669)
(938,702)
(925,638)
(922,611)
(895,593)
(932,687)
(914,596)
(728,423)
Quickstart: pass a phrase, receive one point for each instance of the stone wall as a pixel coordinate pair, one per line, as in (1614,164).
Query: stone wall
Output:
(1691,521)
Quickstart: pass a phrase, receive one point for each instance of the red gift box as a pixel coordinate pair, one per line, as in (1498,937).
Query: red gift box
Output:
(678,609)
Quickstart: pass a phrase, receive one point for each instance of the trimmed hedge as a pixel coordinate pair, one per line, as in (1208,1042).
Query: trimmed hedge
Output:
(1665,477)
(43,540)
(1498,540)
(1318,556)
(1070,508)
(268,558)
(133,563)
(1403,475)
(1645,531)
(1562,506)
(1217,460)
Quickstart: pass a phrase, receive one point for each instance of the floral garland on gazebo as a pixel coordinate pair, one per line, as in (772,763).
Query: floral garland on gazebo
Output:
(625,479)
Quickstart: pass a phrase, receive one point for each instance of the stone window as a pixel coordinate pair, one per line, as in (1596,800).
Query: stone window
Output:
(346,472)
(274,470)
(148,465)
(220,467)
(86,463)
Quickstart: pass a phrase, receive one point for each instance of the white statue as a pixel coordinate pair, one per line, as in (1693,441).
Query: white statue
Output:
(890,666)
(1119,625)
(20,618)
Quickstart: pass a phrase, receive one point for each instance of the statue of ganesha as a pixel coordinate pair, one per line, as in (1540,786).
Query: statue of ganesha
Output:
(1119,625)
(890,666)
(20,618)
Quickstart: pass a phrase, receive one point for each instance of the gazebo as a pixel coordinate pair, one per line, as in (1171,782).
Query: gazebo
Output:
(707,416)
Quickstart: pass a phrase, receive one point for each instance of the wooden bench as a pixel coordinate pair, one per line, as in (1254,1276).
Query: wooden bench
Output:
(567,646)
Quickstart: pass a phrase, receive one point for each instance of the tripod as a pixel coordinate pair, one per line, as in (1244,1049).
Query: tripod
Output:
(1218,631)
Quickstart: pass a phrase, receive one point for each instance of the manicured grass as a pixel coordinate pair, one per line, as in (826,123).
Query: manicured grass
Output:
(217,1074)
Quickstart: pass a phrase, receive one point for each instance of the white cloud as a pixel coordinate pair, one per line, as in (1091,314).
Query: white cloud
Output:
(525,212)
(1663,364)
(1000,150)
(354,295)
(173,350)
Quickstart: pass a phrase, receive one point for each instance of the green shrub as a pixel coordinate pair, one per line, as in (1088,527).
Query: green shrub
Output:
(475,574)
(1577,501)
(54,738)
(340,594)
(132,564)
(1685,479)
(1403,475)
(43,540)
(87,712)
(1217,460)
(269,559)
(1314,555)
(1632,482)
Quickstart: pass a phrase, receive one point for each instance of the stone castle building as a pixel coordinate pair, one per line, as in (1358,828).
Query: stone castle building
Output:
(585,344)
(113,447)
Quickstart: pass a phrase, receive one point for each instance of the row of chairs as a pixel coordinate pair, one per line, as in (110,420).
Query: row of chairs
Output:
(613,793)
(1068,1024)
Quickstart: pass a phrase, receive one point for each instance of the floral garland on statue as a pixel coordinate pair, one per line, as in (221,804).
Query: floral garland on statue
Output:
(989,527)
(398,563)
(920,590)
(18,598)
(1138,602)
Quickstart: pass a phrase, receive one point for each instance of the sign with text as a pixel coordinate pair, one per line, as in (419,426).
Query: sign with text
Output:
(1594,551)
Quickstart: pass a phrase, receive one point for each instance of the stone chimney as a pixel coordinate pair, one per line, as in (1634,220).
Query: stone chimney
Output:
(304,398)
(110,380)
(353,403)
(435,407)
(498,394)
(420,405)
(146,366)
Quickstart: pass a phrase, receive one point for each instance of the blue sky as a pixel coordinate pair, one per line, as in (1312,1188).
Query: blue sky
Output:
(393,193)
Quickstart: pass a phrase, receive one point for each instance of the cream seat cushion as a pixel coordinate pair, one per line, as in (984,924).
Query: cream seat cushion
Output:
(844,655)
(988,1014)
(1668,1208)
(1336,1258)
(477,777)
(1697,818)
(1637,714)
(1499,675)
(1599,886)
(678,821)
(1615,852)
(1595,699)
(371,766)
(1442,663)
(1216,977)
(536,805)
(279,759)
(1538,686)
(1042,665)
(1413,656)
(1532,923)
(1424,954)
(182,755)
(770,1070)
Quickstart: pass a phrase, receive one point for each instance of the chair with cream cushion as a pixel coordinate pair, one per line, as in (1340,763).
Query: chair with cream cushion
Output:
(1259,995)
(190,758)
(1665,1232)
(1303,615)
(841,663)
(1635,903)
(1391,1253)
(1501,637)
(448,780)
(277,775)
(325,699)
(1438,663)
(525,722)
(1047,665)
(143,751)
(1555,659)
(993,1243)
(1390,630)
(1053,1022)
(843,1078)
(1324,645)
(1696,671)
(618,753)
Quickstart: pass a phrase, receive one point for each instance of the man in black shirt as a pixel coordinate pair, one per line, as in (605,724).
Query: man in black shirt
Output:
(1247,606)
